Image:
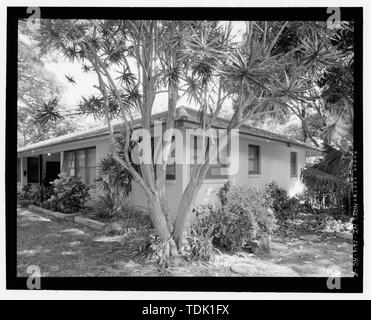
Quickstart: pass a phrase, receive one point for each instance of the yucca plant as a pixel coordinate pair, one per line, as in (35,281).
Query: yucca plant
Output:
(48,111)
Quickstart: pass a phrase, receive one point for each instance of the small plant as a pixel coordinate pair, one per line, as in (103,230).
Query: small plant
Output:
(138,241)
(201,243)
(70,193)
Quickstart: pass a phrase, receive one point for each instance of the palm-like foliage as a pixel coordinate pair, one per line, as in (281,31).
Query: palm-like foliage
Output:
(339,127)
(49,111)
(113,178)
(333,172)
(317,54)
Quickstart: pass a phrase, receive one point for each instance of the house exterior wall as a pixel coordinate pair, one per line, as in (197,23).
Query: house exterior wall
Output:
(137,196)
(274,165)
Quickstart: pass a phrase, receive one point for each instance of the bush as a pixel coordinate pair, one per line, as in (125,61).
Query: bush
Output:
(42,194)
(106,206)
(27,192)
(284,207)
(245,221)
(70,194)
(115,182)
(140,241)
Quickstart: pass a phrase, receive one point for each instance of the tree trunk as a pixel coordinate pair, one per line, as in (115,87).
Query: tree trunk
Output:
(184,214)
(160,224)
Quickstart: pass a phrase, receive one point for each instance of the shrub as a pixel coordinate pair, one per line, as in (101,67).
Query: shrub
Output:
(27,192)
(115,182)
(246,221)
(42,194)
(140,241)
(70,194)
(106,206)
(283,206)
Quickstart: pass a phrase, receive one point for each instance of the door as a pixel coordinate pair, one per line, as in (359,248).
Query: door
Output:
(52,171)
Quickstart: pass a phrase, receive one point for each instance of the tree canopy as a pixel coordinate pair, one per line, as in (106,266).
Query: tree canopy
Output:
(38,93)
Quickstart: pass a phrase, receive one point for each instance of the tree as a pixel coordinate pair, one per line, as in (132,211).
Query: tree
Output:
(335,109)
(201,60)
(38,89)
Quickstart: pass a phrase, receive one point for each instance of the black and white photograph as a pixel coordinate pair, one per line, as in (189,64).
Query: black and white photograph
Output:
(203,149)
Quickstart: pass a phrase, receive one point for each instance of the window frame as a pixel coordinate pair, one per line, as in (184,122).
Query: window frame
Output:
(294,174)
(219,165)
(86,167)
(254,173)
(168,177)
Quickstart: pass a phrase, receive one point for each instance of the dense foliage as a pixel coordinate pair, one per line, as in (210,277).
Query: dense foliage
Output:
(245,221)
(70,194)
(284,207)
(115,182)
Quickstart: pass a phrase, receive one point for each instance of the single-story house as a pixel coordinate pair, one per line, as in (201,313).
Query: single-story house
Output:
(263,157)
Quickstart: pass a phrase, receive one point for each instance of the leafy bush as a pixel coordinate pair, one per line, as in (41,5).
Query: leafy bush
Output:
(27,192)
(283,206)
(245,221)
(106,207)
(140,241)
(115,182)
(42,194)
(70,194)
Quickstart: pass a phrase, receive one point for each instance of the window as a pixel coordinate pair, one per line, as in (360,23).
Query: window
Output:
(254,159)
(32,170)
(215,170)
(18,170)
(91,170)
(170,168)
(81,163)
(294,164)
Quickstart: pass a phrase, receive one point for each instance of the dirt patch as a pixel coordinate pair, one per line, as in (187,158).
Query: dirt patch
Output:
(62,248)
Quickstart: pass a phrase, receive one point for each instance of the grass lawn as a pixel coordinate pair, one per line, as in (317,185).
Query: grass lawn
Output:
(65,249)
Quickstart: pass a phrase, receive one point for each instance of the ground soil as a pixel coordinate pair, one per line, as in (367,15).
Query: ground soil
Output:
(62,248)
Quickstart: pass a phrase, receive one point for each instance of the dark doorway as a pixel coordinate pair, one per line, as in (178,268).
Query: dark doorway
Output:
(52,171)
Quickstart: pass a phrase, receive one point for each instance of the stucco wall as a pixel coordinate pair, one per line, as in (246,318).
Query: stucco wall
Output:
(137,197)
(275,165)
